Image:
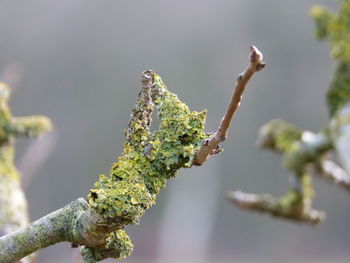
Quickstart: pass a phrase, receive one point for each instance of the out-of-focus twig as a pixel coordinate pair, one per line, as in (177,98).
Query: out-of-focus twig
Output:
(340,134)
(35,157)
(301,151)
(271,205)
(13,208)
(333,173)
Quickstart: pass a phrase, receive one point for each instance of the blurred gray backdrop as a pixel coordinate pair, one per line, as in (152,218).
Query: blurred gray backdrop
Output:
(79,62)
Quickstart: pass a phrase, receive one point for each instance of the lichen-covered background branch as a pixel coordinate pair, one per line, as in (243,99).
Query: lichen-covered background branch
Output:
(13,204)
(306,154)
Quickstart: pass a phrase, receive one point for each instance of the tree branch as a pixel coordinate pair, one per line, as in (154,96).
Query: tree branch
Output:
(273,206)
(340,134)
(75,223)
(333,173)
(210,146)
(42,233)
(13,208)
(149,159)
(301,152)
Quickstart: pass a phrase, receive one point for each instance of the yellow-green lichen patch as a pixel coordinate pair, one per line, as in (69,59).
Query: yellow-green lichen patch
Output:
(295,158)
(336,28)
(120,242)
(149,158)
(31,126)
(339,92)
(279,136)
(307,186)
(322,19)
(11,128)
(291,200)
(125,199)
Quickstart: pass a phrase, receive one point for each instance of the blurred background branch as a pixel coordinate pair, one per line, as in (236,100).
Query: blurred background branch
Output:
(13,208)
(304,153)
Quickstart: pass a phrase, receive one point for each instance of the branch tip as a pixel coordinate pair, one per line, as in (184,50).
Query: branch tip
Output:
(255,55)
(208,147)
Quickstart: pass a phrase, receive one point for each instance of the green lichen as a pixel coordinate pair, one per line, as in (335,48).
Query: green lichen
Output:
(294,159)
(336,28)
(149,158)
(118,245)
(278,135)
(290,201)
(298,201)
(307,186)
(120,241)
(11,127)
(339,92)
(13,205)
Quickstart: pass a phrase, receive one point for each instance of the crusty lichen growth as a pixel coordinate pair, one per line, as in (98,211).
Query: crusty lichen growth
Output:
(120,241)
(118,245)
(336,28)
(149,158)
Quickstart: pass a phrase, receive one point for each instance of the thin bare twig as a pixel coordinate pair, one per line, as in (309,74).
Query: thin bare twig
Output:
(36,156)
(210,146)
